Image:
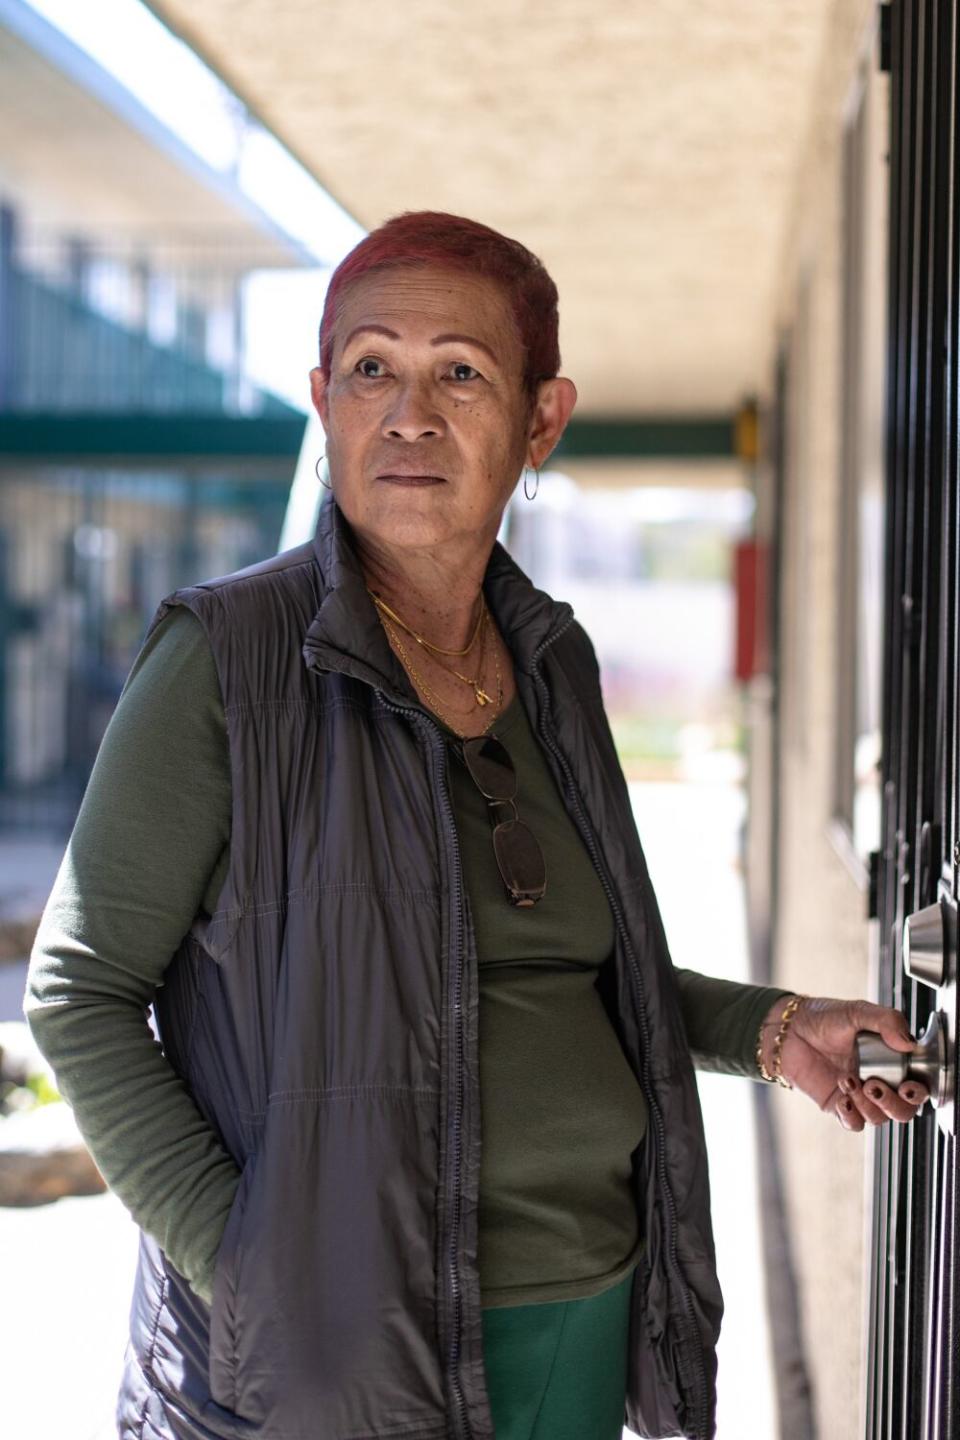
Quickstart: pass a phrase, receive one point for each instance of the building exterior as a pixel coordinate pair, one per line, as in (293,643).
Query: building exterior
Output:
(853,750)
(135,450)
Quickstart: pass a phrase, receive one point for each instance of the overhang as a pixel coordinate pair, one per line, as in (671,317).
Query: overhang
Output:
(647,152)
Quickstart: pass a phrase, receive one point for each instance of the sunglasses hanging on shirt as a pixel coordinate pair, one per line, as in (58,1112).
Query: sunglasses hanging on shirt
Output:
(518,854)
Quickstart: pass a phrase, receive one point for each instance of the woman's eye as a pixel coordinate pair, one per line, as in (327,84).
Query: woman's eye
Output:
(373,369)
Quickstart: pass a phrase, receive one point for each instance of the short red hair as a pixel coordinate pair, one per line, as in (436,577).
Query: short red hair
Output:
(432,237)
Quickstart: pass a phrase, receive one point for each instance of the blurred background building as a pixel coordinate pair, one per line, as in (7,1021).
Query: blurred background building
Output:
(139,449)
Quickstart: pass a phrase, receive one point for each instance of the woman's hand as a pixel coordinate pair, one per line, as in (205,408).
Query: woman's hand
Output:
(819,1057)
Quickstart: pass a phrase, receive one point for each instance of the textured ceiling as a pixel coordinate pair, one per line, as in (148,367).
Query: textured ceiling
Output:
(645,149)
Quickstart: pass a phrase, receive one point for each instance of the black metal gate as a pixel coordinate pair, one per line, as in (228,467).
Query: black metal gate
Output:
(912,1345)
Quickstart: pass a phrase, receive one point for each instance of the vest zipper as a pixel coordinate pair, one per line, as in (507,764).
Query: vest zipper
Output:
(600,865)
(463,1430)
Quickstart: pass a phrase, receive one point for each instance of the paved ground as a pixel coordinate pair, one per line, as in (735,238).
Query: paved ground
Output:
(689,834)
(66,1279)
(65,1269)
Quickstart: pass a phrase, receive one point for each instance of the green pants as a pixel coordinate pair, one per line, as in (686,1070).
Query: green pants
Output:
(559,1371)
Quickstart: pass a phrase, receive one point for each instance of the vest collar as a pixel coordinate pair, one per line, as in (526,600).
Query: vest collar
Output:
(346,633)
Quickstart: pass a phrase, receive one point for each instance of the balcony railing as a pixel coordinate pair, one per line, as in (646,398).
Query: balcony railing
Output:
(127,328)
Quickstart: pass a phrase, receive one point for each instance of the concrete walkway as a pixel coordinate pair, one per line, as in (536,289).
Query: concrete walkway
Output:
(689,836)
(66,1269)
(66,1273)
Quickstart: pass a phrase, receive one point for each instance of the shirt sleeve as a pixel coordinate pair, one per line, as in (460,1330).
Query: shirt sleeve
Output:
(722,1018)
(151,835)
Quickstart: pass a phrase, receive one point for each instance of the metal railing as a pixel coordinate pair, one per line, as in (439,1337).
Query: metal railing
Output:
(133,325)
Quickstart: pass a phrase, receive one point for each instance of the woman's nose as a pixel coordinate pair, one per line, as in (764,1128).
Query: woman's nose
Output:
(412,416)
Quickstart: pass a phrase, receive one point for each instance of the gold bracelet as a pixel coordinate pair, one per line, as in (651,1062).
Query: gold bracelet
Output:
(776,1075)
(764,1072)
(778,1039)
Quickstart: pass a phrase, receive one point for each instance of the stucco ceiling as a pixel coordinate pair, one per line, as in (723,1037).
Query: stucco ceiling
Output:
(645,149)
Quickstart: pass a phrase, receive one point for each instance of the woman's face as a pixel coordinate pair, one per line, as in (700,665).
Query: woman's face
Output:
(426,418)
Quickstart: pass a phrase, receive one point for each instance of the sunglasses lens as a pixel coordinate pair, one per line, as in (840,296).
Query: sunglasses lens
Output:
(491,767)
(518,854)
(520,860)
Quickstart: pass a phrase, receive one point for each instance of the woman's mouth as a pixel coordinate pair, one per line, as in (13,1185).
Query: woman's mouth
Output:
(413,479)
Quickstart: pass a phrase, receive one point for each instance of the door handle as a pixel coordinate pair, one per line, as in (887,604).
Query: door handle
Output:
(929,949)
(927,1062)
(929,943)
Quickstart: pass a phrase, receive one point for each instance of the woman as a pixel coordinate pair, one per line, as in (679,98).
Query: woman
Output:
(358,822)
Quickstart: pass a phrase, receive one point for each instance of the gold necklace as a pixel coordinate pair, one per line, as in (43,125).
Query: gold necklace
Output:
(428,644)
(440,709)
(480,695)
(392,631)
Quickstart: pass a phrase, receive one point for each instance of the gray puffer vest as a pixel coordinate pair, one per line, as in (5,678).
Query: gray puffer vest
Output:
(325,1019)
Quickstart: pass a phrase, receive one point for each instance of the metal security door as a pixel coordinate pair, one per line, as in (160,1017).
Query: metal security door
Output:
(913,1369)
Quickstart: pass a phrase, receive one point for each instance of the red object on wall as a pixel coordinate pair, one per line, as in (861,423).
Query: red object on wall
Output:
(750,582)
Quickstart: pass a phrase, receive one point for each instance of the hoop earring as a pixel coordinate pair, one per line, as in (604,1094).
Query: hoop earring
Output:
(316,471)
(536,486)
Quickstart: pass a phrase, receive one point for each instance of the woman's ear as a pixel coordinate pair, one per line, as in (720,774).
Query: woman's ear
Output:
(551,411)
(318,393)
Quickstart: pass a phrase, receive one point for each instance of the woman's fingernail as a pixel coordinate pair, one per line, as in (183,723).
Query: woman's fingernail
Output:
(874,1092)
(852,1081)
(911,1095)
(847,1105)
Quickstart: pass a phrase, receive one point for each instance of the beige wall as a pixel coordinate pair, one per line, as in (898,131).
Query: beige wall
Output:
(823,943)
